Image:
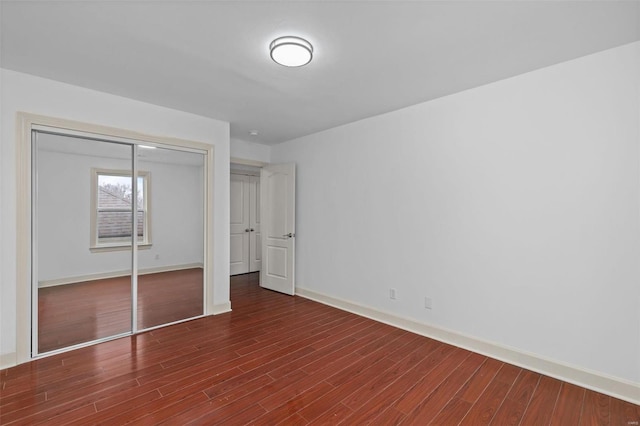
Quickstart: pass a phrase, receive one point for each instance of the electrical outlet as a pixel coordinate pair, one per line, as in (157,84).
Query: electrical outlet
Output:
(428,304)
(392,293)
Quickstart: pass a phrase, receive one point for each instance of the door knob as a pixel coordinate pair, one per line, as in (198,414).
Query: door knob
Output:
(289,235)
(246,230)
(252,230)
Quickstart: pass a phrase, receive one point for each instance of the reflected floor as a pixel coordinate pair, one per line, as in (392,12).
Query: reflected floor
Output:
(81,312)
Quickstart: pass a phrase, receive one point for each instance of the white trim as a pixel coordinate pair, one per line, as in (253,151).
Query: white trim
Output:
(221,308)
(116,274)
(613,386)
(114,247)
(88,130)
(207,239)
(245,173)
(23,238)
(35,312)
(7,360)
(243,162)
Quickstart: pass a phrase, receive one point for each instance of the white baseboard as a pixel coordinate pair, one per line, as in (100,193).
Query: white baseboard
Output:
(618,388)
(8,360)
(116,274)
(221,308)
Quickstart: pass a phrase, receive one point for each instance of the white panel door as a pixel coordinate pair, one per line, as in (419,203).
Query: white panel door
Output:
(255,241)
(277,193)
(240,224)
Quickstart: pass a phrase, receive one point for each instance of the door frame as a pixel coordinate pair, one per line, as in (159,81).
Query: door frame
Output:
(244,162)
(236,229)
(24,292)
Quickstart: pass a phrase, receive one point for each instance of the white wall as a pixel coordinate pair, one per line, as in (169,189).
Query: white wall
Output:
(514,206)
(22,92)
(250,151)
(5,293)
(64,187)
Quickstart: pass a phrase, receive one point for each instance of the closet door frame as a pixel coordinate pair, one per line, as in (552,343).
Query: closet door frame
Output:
(251,227)
(26,124)
(241,230)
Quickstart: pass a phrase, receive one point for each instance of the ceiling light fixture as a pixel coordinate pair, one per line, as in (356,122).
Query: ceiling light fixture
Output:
(291,51)
(253,133)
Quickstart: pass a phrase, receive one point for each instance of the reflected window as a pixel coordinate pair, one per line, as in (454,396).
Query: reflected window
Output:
(112,201)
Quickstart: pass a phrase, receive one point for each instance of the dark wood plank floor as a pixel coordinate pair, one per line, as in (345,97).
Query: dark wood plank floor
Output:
(86,311)
(285,360)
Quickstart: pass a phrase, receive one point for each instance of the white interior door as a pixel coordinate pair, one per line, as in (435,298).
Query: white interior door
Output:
(240,224)
(277,190)
(255,240)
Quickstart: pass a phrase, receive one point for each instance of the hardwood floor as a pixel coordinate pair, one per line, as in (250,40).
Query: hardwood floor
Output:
(82,312)
(278,359)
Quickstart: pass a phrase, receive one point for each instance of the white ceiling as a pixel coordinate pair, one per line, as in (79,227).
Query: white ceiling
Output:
(211,57)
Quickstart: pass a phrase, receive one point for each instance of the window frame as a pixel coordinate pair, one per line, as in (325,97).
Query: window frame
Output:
(146,243)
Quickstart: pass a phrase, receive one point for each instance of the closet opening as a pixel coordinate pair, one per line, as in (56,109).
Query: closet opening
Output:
(245,232)
(118,235)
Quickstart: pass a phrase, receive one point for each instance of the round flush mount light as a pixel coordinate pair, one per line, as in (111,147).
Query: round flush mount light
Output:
(291,51)
(253,133)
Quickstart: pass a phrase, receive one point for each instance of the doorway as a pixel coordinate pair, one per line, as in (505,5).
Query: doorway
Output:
(266,193)
(245,232)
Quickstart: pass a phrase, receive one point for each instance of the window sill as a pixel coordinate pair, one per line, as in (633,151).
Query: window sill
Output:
(118,247)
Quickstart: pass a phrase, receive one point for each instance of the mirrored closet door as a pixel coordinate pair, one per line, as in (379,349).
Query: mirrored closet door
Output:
(170,271)
(117,238)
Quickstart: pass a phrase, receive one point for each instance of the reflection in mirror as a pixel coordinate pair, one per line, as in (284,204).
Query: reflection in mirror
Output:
(114,220)
(170,271)
(84,203)
(82,294)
